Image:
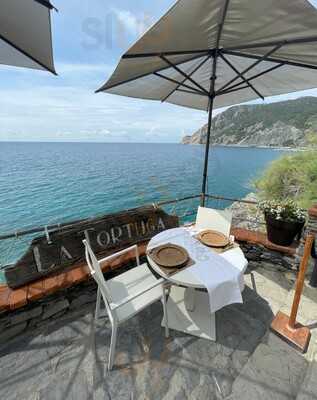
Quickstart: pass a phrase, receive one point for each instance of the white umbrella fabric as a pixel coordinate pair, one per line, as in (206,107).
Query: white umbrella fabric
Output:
(25,34)
(207,54)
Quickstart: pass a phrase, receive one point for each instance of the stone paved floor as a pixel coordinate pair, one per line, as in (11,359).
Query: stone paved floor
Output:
(67,360)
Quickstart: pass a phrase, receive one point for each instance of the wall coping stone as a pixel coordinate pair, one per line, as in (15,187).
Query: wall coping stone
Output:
(259,238)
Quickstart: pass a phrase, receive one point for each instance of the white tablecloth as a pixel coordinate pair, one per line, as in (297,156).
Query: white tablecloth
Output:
(216,272)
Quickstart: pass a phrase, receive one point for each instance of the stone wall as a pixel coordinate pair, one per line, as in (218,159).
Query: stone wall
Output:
(50,308)
(258,253)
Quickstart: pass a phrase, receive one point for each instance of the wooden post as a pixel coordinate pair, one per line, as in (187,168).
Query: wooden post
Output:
(301,280)
(286,327)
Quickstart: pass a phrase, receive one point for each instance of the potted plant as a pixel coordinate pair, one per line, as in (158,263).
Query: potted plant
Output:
(284,221)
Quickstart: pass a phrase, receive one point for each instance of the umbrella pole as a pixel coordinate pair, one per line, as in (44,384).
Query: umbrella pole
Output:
(204,187)
(211,106)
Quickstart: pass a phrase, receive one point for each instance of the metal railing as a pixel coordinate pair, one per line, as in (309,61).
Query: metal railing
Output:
(63,226)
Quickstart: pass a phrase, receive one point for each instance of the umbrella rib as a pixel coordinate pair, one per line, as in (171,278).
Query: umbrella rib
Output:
(257,75)
(241,76)
(176,82)
(183,73)
(45,3)
(259,60)
(233,90)
(189,92)
(185,79)
(147,74)
(269,59)
(167,53)
(285,42)
(221,25)
(27,54)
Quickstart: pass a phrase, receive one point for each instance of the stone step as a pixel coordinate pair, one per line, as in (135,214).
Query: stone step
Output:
(275,371)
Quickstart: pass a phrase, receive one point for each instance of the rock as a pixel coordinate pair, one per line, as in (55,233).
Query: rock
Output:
(82,300)
(10,333)
(269,125)
(25,315)
(247,216)
(55,308)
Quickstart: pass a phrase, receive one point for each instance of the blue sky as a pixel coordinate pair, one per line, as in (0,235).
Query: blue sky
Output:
(36,105)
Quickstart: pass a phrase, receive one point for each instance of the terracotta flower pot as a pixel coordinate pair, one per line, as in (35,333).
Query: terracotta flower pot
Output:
(281,232)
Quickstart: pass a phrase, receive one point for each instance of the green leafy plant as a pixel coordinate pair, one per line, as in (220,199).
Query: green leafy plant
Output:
(292,177)
(287,211)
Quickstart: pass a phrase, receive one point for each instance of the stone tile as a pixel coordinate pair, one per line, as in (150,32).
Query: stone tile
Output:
(271,285)
(31,363)
(24,368)
(179,367)
(307,312)
(67,386)
(308,390)
(274,372)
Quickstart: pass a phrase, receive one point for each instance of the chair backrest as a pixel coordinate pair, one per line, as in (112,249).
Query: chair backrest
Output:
(96,273)
(218,220)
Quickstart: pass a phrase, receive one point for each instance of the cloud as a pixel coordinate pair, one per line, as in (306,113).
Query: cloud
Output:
(135,24)
(76,69)
(66,108)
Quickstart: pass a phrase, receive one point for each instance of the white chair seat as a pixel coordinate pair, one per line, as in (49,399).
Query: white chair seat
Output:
(129,284)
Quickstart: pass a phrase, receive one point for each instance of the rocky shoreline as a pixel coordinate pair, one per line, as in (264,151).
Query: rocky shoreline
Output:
(247,216)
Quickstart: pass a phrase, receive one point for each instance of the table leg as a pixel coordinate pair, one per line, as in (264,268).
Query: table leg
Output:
(199,322)
(189,299)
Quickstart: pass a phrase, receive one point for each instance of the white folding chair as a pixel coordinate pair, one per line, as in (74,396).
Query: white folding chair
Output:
(218,220)
(125,295)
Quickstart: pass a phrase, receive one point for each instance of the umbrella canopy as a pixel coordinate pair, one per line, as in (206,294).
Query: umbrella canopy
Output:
(25,34)
(207,54)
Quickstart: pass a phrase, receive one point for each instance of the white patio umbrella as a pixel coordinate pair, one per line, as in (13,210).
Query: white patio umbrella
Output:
(206,54)
(25,34)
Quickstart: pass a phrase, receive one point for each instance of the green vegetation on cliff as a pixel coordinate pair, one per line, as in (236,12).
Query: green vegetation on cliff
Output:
(292,177)
(283,124)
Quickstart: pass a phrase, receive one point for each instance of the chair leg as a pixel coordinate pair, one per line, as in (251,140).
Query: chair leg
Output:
(98,304)
(165,313)
(112,346)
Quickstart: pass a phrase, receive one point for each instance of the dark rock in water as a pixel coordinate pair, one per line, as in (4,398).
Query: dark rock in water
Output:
(283,124)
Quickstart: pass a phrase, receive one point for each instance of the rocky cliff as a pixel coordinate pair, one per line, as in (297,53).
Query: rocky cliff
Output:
(283,124)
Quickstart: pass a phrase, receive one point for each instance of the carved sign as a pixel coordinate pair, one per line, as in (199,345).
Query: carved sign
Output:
(106,235)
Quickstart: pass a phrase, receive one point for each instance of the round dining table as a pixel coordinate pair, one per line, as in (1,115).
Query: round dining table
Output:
(188,304)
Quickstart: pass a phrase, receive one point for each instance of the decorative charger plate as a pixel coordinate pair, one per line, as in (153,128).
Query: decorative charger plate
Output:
(213,238)
(169,255)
